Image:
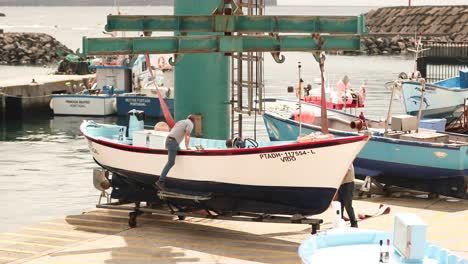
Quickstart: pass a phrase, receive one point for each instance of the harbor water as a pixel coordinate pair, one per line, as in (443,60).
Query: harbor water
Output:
(46,170)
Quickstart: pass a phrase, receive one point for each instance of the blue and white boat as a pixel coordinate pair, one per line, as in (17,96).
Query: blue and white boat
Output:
(143,95)
(444,99)
(440,168)
(100,100)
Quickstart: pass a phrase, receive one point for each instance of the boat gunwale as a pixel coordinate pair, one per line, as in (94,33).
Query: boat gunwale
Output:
(221,152)
(377,138)
(432,86)
(83,96)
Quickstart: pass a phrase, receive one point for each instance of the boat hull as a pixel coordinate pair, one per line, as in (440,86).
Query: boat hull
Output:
(150,105)
(439,102)
(264,180)
(83,105)
(398,162)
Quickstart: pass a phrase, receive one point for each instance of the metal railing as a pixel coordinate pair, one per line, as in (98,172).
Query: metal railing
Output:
(442,60)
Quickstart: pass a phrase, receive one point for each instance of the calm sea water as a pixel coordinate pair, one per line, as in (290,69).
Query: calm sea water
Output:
(45,167)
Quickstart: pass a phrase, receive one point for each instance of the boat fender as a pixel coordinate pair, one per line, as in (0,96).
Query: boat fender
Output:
(403,76)
(307,117)
(161,62)
(162,126)
(101,179)
(51,104)
(415,75)
(356,124)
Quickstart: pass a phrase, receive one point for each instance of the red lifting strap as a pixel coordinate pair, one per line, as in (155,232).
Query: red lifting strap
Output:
(165,109)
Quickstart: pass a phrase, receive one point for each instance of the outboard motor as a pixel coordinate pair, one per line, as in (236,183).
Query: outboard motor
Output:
(136,122)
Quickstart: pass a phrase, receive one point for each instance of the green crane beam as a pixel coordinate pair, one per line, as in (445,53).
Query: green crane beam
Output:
(239,23)
(221,44)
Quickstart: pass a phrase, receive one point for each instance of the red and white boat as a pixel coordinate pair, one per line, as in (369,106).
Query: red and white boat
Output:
(264,177)
(340,98)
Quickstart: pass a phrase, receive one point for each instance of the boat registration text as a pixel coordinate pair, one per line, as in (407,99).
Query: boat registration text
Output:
(287,156)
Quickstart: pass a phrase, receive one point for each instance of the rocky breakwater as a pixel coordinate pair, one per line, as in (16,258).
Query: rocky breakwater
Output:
(30,48)
(392,30)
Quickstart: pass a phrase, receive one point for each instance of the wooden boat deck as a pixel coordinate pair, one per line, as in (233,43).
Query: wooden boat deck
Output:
(103,236)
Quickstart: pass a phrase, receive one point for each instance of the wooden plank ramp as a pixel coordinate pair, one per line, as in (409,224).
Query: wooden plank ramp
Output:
(103,236)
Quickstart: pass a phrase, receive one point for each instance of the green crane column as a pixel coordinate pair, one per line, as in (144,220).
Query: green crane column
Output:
(202,80)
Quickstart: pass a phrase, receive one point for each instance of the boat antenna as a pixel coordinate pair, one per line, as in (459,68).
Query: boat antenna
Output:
(117,4)
(299,93)
(419,49)
(320,58)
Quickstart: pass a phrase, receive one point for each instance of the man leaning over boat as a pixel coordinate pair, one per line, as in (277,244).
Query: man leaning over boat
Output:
(181,131)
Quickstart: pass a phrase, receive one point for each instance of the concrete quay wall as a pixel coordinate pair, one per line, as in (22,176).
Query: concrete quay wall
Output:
(22,98)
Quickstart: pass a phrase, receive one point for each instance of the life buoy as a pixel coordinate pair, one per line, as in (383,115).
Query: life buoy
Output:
(161,62)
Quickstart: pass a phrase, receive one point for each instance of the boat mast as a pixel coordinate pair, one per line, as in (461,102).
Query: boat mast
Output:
(299,95)
(323,105)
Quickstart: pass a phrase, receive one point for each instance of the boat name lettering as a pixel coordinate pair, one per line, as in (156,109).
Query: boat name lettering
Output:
(139,100)
(77,101)
(92,149)
(287,156)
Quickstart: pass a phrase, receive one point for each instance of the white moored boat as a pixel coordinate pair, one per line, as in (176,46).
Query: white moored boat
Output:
(265,177)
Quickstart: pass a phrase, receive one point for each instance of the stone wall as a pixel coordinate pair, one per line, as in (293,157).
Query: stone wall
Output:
(392,29)
(30,48)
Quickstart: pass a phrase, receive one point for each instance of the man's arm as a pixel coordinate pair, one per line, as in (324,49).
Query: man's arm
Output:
(187,140)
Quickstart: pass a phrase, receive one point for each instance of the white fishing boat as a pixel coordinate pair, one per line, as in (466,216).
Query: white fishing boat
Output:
(263,177)
(111,79)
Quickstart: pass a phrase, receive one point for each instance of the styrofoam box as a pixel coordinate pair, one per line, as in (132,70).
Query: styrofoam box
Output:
(409,236)
(141,138)
(404,122)
(158,140)
(152,139)
(434,124)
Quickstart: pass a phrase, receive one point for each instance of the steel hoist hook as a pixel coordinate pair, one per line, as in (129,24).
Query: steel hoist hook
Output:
(176,59)
(277,56)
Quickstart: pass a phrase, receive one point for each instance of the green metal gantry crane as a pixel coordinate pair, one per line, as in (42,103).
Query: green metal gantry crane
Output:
(204,39)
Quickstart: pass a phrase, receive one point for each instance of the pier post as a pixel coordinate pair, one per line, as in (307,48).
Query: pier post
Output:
(202,80)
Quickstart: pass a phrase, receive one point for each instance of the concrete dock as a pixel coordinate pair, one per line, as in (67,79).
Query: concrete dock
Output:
(103,236)
(20,96)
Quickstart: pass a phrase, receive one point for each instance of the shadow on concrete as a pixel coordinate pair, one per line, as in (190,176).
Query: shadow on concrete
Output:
(449,205)
(160,239)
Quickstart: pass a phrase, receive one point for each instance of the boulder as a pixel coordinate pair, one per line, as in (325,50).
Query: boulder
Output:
(30,48)
(9,47)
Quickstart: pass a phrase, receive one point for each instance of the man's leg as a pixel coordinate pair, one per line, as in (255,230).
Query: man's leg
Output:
(172,147)
(341,199)
(348,189)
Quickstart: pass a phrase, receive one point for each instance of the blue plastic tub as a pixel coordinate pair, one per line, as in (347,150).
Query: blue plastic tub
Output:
(352,245)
